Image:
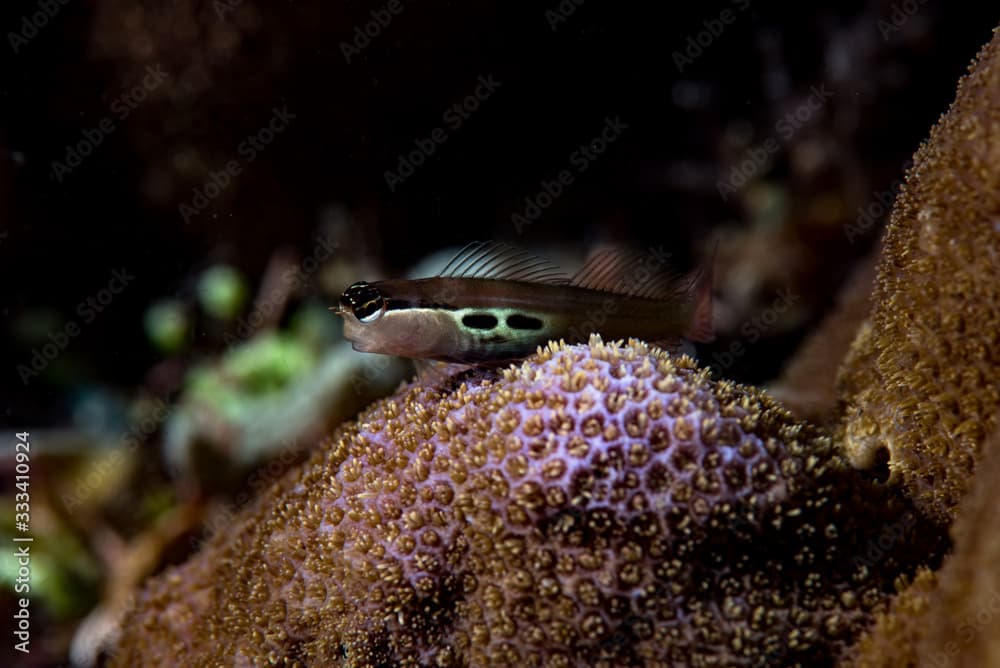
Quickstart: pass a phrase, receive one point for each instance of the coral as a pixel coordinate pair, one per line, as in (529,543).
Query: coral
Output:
(962,628)
(611,505)
(924,380)
(952,617)
(891,641)
(599,505)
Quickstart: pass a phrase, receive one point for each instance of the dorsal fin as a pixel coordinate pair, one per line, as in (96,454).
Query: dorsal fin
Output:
(632,273)
(500,261)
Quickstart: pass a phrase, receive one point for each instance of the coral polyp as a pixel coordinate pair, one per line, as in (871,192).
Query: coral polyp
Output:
(599,505)
(924,375)
(950,617)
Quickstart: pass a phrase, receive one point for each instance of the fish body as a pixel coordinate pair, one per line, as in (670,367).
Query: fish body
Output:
(497,309)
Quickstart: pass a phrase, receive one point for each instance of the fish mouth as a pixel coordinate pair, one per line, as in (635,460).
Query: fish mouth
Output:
(360,342)
(361,347)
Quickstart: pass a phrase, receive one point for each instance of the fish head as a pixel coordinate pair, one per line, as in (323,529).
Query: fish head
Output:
(372,327)
(361,306)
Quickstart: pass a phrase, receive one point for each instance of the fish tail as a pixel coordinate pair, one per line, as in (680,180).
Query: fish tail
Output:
(701,328)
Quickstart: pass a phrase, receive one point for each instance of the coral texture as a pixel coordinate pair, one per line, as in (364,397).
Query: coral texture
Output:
(610,505)
(891,641)
(962,628)
(597,505)
(950,618)
(924,378)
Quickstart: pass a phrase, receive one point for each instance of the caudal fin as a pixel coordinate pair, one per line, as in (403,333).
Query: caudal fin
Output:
(701,329)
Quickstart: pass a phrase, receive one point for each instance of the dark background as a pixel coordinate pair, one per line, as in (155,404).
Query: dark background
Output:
(353,120)
(890,69)
(656,183)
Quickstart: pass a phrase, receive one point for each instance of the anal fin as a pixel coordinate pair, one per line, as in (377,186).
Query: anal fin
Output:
(433,372)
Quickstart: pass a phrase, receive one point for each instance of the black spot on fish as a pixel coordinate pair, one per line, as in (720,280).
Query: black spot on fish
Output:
(479,321)
(518,321)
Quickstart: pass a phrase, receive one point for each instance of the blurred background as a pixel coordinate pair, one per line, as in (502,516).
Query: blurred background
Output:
(186,186)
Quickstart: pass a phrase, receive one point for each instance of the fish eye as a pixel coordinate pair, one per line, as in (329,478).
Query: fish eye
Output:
(365,302)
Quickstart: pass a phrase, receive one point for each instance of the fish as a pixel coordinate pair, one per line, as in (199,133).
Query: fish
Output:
(495,302)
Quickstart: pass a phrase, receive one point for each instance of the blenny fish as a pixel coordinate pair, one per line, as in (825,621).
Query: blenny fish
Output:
(496,302)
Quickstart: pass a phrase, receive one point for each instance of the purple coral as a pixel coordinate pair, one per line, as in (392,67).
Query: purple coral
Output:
(598,505)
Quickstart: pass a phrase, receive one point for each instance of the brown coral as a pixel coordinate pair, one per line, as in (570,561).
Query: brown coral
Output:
(930,363)
(962,628)
(610,505)
(892,640)
(951,618)
(599,505)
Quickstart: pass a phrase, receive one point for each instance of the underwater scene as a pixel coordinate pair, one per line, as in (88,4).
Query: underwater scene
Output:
(405,333)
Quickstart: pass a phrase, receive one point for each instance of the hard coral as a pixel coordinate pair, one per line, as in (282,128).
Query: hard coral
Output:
(924,378)
(891,641)
(952,617)
(598,505)
(963,624)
